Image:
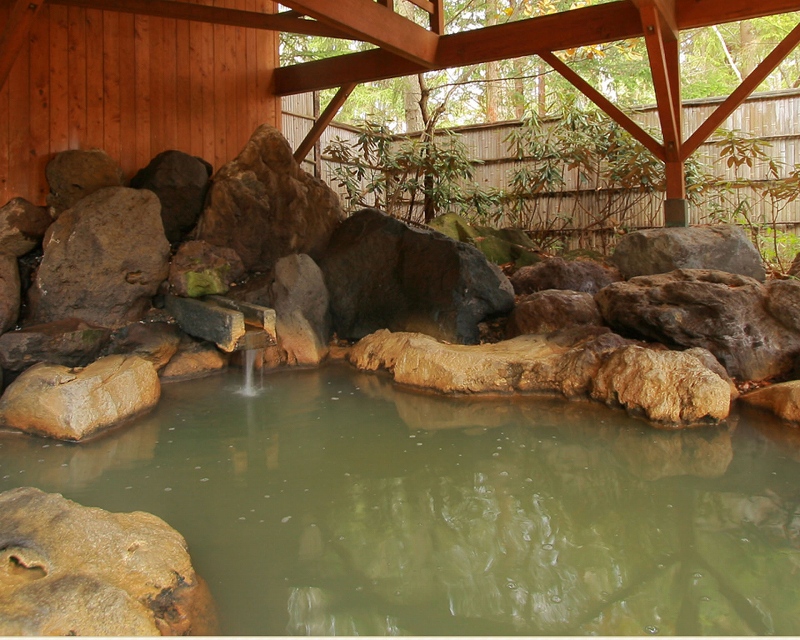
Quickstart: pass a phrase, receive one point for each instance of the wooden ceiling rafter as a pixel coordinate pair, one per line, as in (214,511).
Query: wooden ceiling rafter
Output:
(287,21)
(18,28)
(376,23)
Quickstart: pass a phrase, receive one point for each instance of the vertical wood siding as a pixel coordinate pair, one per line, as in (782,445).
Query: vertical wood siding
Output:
(133,86)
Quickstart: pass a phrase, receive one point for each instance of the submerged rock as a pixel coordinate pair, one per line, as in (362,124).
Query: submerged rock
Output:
(181,182)
(664,386)
(264,206)
(104,259)
(723,247)
(66,569)
(381,273)
(73,404)
(728,314)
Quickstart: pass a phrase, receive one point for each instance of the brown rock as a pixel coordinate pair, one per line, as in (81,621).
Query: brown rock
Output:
(201,269)
(552,309)
(156,342)
(381,273)
(781,399)
(66,569)
(300,299)
(22,226)
(667,386)
(73,404)
(104,260)
(264,206)
(587,276)
(180,181)
(75,174)
(725,313)
(194,360)
(9,292)
(71,342)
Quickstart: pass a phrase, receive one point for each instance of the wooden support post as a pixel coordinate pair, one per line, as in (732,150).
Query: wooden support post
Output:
(437,17)
(17,32)
(324,120)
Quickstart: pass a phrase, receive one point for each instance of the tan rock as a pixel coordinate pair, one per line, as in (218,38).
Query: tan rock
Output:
(73,404)
(74,570)
(667,386)
(194,360)
(782,399)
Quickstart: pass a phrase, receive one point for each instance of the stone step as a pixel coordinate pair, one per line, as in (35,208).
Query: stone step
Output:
(231,326)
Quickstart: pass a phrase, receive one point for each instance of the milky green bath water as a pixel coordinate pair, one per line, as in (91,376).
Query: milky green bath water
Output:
(333,503)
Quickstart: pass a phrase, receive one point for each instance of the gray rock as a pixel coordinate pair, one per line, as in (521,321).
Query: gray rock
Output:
(181,182)
(556,273)
(75,174)
(381,273)
(553,309)
(104,260)
(71,343)
(723,247)
(22,227)
(9,292)
(264,206)
(725,313)
(301,300)
(74,570)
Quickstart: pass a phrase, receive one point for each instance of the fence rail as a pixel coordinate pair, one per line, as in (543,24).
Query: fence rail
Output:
(774,118)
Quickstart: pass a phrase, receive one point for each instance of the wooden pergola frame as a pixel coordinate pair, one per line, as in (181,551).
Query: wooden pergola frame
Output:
(406,48)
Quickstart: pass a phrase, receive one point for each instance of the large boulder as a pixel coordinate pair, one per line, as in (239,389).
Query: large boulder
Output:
(181,182)
(725,313)
(68,570)
(300,299)
(202,269)
(586,276)
(264,206)
(381,273)
(22,226)
(75,174)
(667,387)
(723,247)
(71,343)
(9,292)
(552,309)
(104,260)
(73,404)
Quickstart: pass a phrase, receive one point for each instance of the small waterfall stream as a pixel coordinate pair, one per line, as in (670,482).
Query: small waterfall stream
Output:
(250,389)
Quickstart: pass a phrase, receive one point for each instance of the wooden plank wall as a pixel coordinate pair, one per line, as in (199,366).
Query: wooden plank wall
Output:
(133,86)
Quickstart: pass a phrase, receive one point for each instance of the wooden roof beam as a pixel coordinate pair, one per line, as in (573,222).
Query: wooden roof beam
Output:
(597,24)
(18,29)
(740,94)
(376,23)
(288,21)
(621,118)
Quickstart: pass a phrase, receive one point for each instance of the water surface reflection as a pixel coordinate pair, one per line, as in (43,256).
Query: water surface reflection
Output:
(336,504)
